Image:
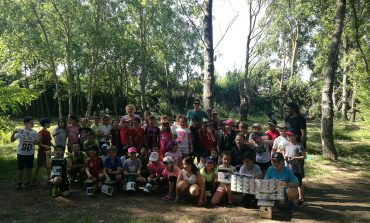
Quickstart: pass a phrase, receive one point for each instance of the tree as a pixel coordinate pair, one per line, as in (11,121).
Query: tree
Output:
(327,140)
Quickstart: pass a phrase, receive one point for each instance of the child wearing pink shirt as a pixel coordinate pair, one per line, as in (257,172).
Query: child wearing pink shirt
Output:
(174,153)
(155,170)
(165,138)
(169,174)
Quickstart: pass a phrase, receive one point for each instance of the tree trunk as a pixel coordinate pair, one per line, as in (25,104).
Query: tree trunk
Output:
(353,104)
(209,78)
(187,88)
(293,58)
(143,58)
(344,100)
(327,140)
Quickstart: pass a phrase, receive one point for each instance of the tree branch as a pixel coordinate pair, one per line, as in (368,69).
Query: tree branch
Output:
(227,29)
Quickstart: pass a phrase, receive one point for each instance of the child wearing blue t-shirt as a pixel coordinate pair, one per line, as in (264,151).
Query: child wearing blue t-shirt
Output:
(113,165)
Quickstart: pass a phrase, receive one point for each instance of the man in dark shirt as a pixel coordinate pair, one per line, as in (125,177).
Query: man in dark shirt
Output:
(297,121)
(238,151)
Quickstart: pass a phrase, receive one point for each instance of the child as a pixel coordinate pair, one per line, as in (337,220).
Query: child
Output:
(155,169)
(294,154)
(243,126)
(282,140)
(60,133)
(263,155)
(209,173)
(124,132)
(190,181)
(132,166)
(45,144)
(230,134)
(91,140)
(173,152)
(165,138)
(184,138)
(163,119)
(197,138)
(170,173)
(59,167)
(94,167)
(26,150)
(151,133)
(224,188)
(104,131)
(272,132)
(113,166)
(249,168)
(103,152)
(144,159)
(96,125)
(136,134)
(78,160)
(73,130)
(256,127)
(116,138)
(84,131)
(214,154)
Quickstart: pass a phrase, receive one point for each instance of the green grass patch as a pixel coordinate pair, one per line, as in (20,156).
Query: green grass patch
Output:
(315,167)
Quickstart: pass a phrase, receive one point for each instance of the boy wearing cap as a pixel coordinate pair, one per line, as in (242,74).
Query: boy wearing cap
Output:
(45,144)
(286,176)
(294,155)
(282,140)
(272,132)
(26,150)
(113,165)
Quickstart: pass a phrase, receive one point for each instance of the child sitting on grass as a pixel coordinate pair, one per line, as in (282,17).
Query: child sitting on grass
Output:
(155,168)
(224,188)
(169,174)
(132,166)
(78,158)
(113,166)
(94,167)
(45,145)
(59,167)
(26,150)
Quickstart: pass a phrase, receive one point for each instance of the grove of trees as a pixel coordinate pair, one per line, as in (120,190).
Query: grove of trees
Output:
(61,57)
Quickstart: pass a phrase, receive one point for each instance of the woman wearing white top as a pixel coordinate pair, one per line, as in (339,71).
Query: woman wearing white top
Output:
(189,180)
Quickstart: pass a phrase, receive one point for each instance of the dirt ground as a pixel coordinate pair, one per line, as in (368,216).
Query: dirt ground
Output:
(342,196)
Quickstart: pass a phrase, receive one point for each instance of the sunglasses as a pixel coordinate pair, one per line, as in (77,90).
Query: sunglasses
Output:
(165,163)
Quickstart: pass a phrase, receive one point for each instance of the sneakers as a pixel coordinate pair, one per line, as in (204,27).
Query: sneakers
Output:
(147,187)
(291,207)
(18,187)
(300,203)
(168,197)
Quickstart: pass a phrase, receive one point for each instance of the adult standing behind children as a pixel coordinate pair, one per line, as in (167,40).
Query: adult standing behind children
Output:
(197,112)
(130,110)
(297,121)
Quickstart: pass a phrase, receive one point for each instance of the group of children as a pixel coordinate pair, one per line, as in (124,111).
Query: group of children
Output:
(180,158)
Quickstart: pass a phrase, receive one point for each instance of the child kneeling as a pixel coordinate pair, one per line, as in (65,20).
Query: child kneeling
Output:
(59,167)
(170,173)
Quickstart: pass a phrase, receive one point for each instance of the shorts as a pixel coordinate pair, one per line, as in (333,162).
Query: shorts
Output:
(299,177)
(24,161)
(41,159)
(221,189)
(209,186)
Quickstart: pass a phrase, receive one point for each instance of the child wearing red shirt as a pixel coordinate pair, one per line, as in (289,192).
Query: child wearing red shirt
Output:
(94,167)
(125,134)
(45,144)
(136,134)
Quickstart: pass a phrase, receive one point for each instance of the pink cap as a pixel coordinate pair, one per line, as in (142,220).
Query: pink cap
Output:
(132,150)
